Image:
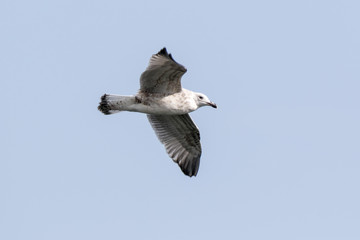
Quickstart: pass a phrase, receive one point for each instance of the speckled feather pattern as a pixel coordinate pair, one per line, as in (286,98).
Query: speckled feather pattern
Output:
(167,105)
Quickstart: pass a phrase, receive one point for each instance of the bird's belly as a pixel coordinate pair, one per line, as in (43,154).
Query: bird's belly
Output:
(161,109)
(175,104)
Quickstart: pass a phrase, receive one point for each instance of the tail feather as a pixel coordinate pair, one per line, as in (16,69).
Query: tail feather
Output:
(111,104)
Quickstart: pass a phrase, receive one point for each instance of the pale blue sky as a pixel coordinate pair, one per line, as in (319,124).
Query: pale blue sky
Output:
(280,154)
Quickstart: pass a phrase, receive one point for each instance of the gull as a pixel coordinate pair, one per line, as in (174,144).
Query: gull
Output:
(167,106)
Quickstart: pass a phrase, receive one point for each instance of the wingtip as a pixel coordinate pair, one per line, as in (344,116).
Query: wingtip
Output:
(164,52)
(188,173)
(190,167)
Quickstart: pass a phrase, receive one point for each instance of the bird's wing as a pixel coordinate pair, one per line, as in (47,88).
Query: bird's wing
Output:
(163,75)
(181,138)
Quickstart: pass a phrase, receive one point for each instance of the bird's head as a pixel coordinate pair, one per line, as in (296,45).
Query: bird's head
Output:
(202,100)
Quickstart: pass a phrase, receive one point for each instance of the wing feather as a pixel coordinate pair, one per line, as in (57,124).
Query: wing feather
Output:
(181,138)
(163,75)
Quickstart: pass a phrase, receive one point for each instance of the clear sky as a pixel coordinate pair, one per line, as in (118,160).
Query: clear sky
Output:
(281,154)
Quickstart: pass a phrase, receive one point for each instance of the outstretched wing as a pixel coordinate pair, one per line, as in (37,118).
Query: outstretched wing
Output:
(162,75)
(181,138)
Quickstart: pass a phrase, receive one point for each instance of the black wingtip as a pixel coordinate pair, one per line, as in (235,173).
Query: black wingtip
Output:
(190,167)
(164,52)
(170,56)
(188,173)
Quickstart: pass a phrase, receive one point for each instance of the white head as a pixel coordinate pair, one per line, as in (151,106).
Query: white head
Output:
(202,100)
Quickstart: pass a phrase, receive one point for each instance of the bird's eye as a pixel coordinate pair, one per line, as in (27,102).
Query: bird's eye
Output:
(201,97)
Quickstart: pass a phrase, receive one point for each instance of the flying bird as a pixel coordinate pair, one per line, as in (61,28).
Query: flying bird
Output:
(167,106)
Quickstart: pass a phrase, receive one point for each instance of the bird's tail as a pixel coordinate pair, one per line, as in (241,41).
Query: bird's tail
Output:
(111,104)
